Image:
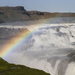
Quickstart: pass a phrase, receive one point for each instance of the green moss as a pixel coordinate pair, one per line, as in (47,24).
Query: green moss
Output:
(12,69)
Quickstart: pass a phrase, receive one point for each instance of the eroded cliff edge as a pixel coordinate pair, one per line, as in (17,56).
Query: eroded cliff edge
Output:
(11,14)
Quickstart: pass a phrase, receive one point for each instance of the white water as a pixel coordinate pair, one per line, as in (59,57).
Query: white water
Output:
(47,49)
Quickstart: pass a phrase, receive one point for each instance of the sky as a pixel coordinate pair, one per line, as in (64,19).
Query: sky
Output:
(42,5)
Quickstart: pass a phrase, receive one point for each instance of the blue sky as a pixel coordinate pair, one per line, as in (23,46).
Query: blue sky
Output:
(42,5)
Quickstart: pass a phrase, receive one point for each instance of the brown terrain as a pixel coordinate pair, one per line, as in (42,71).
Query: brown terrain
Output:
(11,14)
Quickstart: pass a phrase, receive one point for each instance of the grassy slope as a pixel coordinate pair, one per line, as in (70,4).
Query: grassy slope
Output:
(12,69)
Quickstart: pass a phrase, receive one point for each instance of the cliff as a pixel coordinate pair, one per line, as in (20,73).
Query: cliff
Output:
(11,14)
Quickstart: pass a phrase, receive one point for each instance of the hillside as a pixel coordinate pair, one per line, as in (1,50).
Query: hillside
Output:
(12,69)
(11,14)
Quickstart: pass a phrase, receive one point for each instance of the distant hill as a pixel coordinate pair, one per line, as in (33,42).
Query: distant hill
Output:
(11,14)
(12,69)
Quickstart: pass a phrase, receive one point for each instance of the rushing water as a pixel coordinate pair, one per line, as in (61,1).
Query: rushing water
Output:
(51,48)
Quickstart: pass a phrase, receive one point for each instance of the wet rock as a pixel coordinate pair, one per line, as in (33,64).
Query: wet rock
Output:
(71,55)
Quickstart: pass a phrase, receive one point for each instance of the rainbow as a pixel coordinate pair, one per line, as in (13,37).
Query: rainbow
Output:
(19,38)
(14,42)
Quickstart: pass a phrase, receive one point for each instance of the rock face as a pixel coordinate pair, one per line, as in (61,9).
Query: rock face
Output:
(11,14)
